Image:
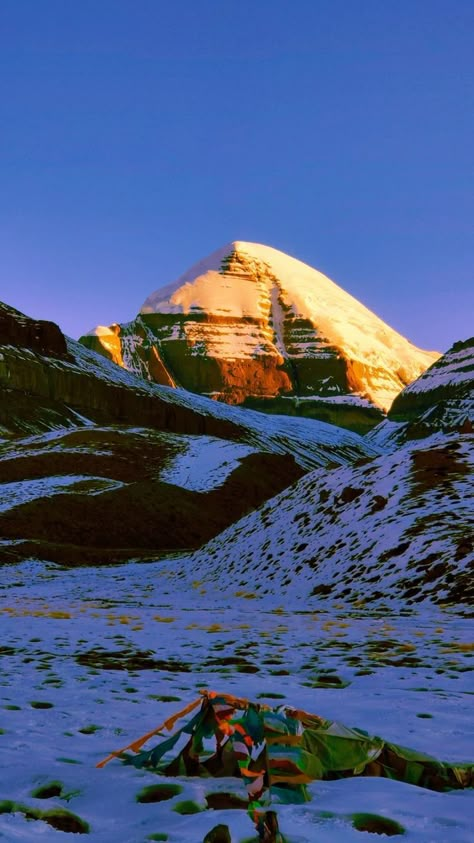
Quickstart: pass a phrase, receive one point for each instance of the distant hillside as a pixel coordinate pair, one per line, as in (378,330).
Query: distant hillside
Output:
(97,465)
(399,527)
(441,399)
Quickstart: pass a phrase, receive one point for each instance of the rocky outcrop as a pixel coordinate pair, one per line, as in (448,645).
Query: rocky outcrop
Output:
(105,341)
(130,346)
(249,322)
(36,335)
(441,399)
(444,394)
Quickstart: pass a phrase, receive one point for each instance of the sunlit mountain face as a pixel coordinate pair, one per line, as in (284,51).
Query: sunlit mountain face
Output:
(249,324)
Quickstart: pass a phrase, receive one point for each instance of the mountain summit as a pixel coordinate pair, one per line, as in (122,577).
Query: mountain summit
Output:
(250,322)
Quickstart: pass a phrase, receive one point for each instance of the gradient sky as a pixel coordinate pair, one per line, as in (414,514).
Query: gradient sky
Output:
(137,136)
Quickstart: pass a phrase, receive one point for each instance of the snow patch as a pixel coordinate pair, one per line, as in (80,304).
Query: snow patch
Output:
(205,464)
(25,491)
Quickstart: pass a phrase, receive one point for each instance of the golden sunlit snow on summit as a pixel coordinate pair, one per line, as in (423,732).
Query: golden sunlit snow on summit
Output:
(250,322)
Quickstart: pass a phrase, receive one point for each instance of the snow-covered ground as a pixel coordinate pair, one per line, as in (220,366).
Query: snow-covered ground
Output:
(94,658)
(197,463)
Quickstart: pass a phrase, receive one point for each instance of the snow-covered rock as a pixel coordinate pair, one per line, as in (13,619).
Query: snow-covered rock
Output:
(441,399)
(444,394)
(250,321)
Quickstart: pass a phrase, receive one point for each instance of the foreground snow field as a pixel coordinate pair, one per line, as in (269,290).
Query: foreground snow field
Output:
(92,659)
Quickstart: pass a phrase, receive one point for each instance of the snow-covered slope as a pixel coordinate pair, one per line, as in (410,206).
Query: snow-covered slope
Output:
(91,659)
(127,467)
(251,321)
(400,526)
(312,443)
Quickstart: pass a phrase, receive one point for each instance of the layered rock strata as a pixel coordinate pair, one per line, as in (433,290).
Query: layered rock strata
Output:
(250,322)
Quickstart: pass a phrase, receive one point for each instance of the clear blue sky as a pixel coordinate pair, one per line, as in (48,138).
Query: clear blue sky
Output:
(136,136)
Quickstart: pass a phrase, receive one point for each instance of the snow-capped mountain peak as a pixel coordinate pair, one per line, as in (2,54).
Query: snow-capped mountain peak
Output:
(251,321)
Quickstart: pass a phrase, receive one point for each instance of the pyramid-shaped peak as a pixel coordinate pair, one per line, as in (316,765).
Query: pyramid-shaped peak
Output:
(297,314)
(225,259)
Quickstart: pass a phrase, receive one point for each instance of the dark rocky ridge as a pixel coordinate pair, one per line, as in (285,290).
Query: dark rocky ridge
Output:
(451,378)
(41,391)
(117,507)
(44,383)
(37,335)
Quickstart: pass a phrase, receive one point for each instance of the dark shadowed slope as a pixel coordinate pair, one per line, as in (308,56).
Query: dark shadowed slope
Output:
(86,462)
(43,390)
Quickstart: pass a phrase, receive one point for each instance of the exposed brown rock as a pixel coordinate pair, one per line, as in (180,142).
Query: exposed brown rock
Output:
(219,834)
(108,344)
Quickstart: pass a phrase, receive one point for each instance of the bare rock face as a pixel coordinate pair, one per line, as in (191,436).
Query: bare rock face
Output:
(250,323)
(105,341)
